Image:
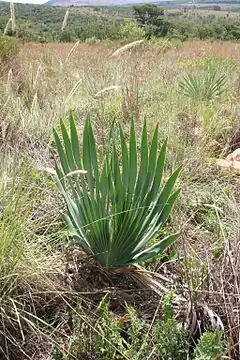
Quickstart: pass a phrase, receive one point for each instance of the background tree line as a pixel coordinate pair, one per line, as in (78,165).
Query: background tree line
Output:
(44,24)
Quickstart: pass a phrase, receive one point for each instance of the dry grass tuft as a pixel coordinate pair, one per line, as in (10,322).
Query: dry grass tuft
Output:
(107,89)
(126,48)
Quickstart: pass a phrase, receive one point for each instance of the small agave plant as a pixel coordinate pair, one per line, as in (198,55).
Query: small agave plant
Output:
(114,211)
(204,87)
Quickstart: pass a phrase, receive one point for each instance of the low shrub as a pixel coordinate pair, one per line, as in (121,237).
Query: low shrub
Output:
(9,48)
(210,346)
(92,40)
(169,336)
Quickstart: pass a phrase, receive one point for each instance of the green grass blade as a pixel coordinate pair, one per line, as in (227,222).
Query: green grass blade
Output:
(132,168)
(75,143)
(143,163)
(157,249)
(125,160)
(61,153)
(87,161)
(158,173)
(68,147)
(93,155)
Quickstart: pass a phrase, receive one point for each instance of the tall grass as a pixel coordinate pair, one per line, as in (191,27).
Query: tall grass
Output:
(65,20)
(28,266)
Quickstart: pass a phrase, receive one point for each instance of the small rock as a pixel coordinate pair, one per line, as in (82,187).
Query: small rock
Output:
(234,156)
(231,163)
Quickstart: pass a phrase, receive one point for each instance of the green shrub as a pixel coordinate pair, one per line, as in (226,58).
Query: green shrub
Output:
(9,48)
(105,335)
(107,340)
(210,346)
(169,337)
(163,44)
(78,341)
(115,212)
(204,87)
(100,30)
(151,18)
(131,31)
(66,36)
(123,337)
(92,40)
(170,341)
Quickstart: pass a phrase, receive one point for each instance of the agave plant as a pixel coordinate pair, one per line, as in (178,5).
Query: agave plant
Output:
(114,211)
(206,87)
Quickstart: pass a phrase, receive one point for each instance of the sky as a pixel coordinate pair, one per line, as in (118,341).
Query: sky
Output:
(28,1)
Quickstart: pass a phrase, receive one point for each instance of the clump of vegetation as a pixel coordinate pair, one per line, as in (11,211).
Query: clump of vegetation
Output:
(44,23)
(9,48)
(114,213)
(130,31)
(108,337)
(210,346)
(151,18)
(206,87)
(170,337)
(123,337)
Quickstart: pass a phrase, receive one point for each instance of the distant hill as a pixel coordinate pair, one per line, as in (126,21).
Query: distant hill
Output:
(97,2)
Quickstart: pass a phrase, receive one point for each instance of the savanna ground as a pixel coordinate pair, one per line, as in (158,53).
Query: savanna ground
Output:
(50,293)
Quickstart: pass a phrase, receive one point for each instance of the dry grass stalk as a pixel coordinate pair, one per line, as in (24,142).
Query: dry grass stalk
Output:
(126,48)
(130,103)
(7,26)
(73,91)
(12,10)
(72,49)
(34,104)
(9,80)
(107,89)
(65,20)
(71,173)
(130,96)
(35,81)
